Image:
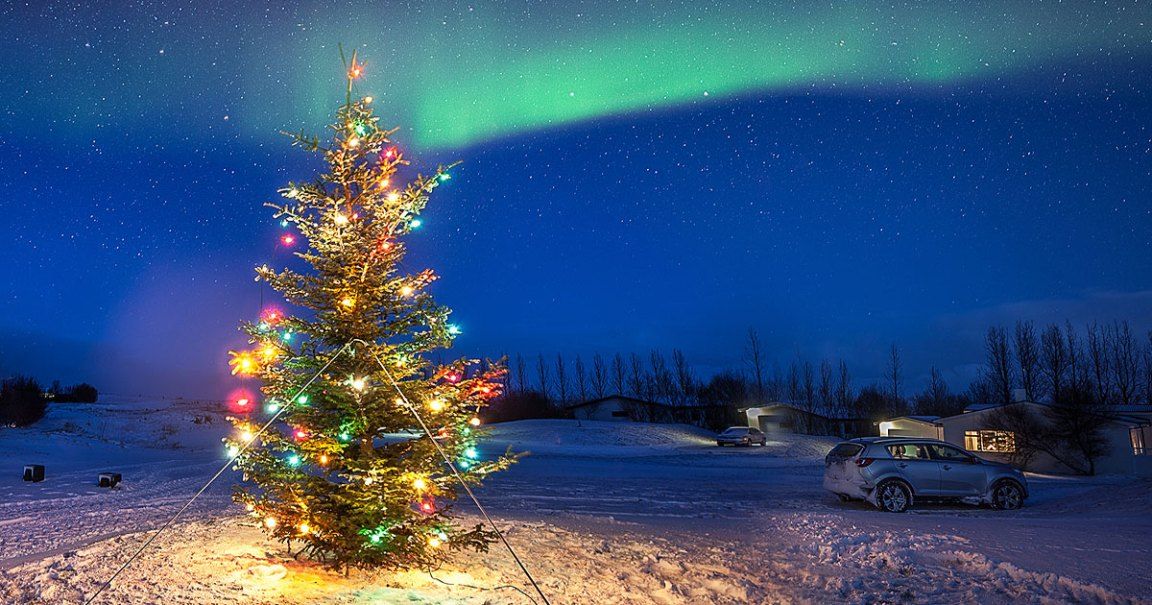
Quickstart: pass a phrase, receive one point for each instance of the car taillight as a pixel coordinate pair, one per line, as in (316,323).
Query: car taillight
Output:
(863,462)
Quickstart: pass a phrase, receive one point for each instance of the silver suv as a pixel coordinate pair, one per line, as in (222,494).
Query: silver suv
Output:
(890,471)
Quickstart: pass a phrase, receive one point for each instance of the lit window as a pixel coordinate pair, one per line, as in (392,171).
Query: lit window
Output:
(1003,442)
(1138,446)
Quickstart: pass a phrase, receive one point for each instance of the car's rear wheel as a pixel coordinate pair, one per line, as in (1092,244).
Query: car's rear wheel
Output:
(893,497)
(1007,495)
(843,498)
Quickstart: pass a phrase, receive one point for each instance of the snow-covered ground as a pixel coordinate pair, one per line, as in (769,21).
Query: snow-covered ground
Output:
(601,513)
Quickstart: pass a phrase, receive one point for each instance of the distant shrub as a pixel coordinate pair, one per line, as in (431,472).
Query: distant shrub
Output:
(525,405)
(22,401)
(78,393)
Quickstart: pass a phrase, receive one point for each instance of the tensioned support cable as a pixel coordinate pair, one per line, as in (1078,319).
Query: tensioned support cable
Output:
(291,402)
(452,466)
(264,428)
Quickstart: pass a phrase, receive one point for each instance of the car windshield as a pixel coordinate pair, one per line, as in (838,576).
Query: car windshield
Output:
(736,430)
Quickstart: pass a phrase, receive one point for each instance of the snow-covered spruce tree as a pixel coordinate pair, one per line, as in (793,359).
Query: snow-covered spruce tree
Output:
(330,474)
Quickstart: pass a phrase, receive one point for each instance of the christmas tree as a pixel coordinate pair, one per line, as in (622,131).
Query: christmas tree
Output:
(349,455)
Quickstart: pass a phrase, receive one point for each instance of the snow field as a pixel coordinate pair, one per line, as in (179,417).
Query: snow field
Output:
(602,513)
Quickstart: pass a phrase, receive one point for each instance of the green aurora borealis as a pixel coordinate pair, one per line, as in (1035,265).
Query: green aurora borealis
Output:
(455,74)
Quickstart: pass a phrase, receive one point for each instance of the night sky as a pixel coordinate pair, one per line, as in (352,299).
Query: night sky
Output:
(636,175)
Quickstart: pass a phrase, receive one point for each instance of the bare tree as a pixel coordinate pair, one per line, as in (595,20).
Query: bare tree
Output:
(521,374)
(1125,363)
(937,400)
(998,364)
(1148,369)
(1028,359)
(638,383)
(599,376)
(641,385)
(543,380)
(826,391)
(809,401)
(754,357)
(774,387)
(1100,362)
(795,394)
(581,379)
(563,386)
(685,381)
(663,382)
(844,396)
(895,376)
(1079,373)
(619,375)
(1054,363)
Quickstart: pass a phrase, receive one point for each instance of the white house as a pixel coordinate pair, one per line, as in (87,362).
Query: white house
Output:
(784,418)
(614,408)
(1128,432)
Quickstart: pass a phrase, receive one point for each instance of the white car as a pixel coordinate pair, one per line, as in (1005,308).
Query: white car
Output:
(740,435)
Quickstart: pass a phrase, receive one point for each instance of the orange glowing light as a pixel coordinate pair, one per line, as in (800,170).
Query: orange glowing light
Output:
(242,363)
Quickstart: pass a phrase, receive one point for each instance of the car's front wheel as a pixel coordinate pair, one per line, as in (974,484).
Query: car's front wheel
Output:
(1007,495)
(893,497)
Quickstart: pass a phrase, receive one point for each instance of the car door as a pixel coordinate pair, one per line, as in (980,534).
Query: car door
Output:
(961,473)
(915,465)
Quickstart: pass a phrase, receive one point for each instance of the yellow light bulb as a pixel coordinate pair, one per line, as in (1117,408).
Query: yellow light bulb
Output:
(358,383)
(407,291)
(384,182)
(269,352)
(270,522)
(436,405)
(420,485)
(354,142)
(246,436)
(367,100)
(474,421)
(434,542)
(340,219)
(348,301)
(305,528)
(367,480)
(393,197)
(251,507)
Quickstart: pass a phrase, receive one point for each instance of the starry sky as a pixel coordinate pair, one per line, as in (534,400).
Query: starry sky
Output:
(636,175)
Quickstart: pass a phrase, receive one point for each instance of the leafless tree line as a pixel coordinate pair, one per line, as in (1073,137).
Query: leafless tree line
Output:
(654,378)
(1105,364)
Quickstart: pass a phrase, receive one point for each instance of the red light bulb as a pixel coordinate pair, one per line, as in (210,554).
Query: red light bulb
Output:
(288,239)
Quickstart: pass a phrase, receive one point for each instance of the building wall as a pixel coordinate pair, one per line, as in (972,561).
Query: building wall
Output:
(1119,460)
(786,419)
(610,410)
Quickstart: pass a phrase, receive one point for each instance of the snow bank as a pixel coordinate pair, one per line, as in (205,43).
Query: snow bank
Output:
(231,562)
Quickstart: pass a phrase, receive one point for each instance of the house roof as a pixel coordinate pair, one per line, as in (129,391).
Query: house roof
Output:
(1108,412)
(793,408)
(924,419)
